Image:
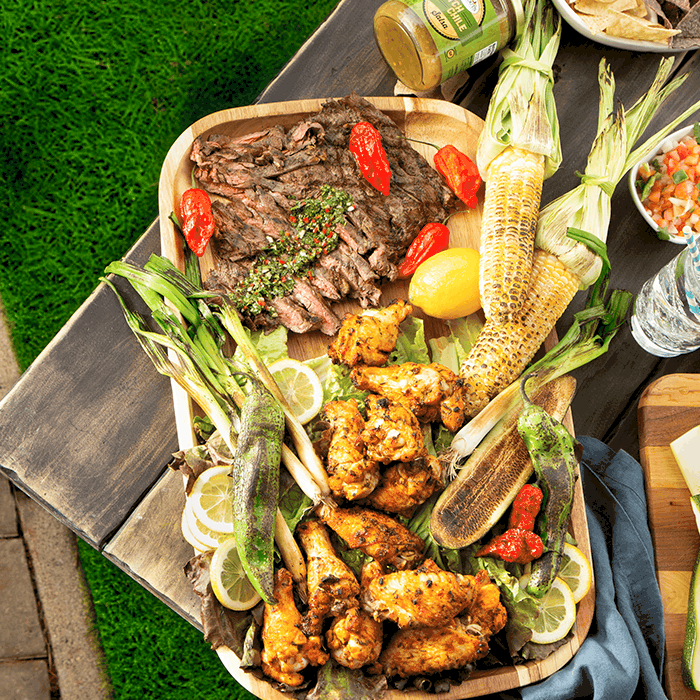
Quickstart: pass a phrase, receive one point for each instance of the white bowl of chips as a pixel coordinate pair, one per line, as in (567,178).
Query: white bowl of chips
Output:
(622,24)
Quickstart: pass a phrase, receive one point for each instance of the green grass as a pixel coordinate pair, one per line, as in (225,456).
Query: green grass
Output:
(92,95)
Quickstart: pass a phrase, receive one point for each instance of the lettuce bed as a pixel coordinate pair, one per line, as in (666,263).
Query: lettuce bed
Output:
(92,96)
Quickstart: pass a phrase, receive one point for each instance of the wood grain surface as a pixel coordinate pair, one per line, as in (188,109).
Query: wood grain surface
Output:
(669,407)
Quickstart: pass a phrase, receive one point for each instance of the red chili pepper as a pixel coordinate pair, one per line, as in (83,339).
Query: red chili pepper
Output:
(526,506)
(197,220)
(366,146)
(514,545)
(432,238)
(460,171)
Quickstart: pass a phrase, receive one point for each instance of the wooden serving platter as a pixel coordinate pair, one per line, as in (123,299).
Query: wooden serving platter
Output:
(669,407)
(433,121)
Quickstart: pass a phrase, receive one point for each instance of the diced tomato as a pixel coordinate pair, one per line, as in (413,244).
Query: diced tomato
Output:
(672,165)
(655,194)
(685,190)
(682,150)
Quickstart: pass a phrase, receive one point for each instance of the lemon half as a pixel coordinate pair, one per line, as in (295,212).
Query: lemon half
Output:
(557,614)
(300,386)
(576,571)
(212,499)
(228,579)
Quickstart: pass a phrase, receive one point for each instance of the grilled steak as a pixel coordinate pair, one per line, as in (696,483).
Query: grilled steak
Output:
(260,177)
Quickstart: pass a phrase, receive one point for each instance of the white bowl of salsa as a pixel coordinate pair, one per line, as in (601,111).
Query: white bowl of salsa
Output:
(665,185)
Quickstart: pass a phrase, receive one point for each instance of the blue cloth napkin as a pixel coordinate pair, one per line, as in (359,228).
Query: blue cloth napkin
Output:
(622,657)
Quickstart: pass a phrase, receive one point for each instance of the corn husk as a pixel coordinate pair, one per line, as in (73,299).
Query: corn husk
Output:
(587,206)
(522,111)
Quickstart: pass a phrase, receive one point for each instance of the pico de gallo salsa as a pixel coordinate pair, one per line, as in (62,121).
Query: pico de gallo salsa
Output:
(668,183)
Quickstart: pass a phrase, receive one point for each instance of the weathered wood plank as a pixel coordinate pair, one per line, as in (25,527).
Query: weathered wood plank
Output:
(89,427)
(151,549)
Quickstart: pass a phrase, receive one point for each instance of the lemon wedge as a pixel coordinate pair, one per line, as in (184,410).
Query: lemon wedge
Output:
(576,571)
(300,386)
(228,580)
(212,499)
(557,613)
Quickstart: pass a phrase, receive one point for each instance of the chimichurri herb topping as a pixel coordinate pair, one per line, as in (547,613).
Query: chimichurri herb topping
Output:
(294,252)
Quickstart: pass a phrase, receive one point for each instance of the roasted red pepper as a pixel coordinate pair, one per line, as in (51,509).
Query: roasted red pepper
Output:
(197,220)
(366,146)
(460,171)
(514,545)
(432,238)
(525,508)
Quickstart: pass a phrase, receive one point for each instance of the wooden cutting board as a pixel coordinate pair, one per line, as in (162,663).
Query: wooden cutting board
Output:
(669,407)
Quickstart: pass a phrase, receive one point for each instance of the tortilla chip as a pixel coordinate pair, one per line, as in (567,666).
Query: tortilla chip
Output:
(689,26)
(630,27)
(592,7)
(681,4)
(596,23)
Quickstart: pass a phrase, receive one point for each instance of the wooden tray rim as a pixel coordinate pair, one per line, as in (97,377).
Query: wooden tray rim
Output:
(481,682)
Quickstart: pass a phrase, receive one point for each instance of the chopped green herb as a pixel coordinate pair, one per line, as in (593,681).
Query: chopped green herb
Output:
(294,253)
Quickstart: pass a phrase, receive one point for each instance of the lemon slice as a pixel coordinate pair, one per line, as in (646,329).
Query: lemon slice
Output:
(575,571)
(212,499)
(557,613)
(228,580)
(200,533)
(300,386)
(188,535)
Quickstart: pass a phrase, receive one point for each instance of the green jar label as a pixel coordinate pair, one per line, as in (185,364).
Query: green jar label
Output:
(465,31)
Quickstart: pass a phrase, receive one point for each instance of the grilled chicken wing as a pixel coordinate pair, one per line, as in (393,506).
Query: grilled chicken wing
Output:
(486,610)
(368,338)
(355,639)
(392,433)
(461,641)
(350,474)
(331,585)
(428,391)
(424,597)
(416,652)
(405,485)
(286,649)
(378,535)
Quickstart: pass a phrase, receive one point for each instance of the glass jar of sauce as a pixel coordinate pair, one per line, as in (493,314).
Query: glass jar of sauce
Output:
(426,42)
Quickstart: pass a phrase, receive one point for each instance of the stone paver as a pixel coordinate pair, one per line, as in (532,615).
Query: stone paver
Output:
(77,663)
(21,635)
(65,598)
(24,680)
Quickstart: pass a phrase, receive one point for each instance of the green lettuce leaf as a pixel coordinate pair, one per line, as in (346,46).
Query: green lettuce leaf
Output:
(522,608)
(411,345)
(272,346)
(335,380)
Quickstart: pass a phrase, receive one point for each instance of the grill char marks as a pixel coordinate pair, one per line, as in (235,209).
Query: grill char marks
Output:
(259,178)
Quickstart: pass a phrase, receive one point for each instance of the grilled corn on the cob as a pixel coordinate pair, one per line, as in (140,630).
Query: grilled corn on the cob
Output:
(508,225)
(504,348)
(518,148)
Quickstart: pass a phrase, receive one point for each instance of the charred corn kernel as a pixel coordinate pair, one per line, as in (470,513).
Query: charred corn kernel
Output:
(509,221)
(505,348)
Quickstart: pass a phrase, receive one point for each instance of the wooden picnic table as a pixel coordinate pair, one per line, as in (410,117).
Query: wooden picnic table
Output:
(89,429)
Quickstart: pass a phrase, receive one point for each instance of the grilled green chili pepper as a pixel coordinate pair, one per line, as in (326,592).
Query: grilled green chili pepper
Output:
(256,469)
(553,453)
